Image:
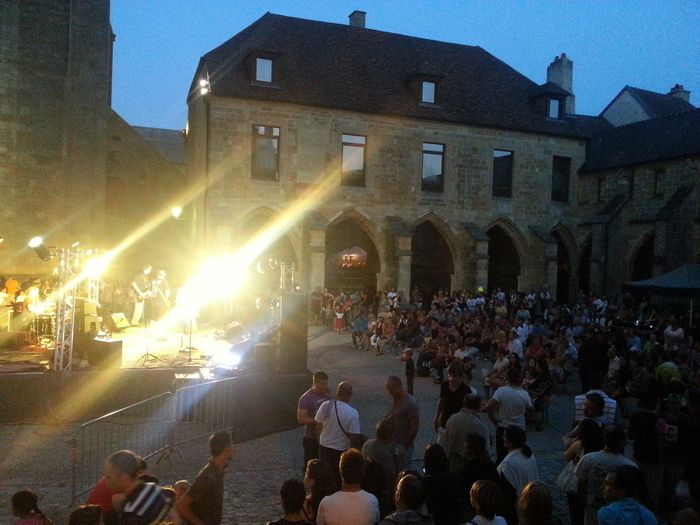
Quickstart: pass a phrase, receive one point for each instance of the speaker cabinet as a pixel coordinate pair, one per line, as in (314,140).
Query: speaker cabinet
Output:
(104,354)
(120,321)
(294,338)
(264,357)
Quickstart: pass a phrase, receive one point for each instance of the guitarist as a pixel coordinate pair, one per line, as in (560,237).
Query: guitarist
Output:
(161,295)
(142,290)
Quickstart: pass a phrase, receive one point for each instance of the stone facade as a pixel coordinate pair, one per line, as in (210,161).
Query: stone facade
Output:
(310,163)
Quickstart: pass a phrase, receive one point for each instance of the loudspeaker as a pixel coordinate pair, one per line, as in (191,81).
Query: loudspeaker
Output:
(120,321)
(93,323)
(104,354)
(294,338)
(264,357)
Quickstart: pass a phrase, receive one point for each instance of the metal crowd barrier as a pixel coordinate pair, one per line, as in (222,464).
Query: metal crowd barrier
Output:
(155,427)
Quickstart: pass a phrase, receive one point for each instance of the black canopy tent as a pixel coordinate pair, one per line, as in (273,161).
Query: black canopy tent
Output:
(681,282)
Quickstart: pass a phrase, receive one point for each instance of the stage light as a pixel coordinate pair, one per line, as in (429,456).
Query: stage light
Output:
(37,244)
(2,238)
(176,211)
(203,86)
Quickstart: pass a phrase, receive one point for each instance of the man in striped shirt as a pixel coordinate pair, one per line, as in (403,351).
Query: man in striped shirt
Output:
(610,414)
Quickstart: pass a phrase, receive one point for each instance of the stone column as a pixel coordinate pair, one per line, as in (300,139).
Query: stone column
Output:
(481,254)
(552,269)
(317,258)
(403,257)
(597,273)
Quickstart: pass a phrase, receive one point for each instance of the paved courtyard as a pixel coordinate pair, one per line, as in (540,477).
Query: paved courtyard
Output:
(39,456)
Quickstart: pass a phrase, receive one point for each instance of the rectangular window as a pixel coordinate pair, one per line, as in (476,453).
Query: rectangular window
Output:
(353,164)
(433,157)
(428,92)
(561,167)
(263,70)
(266,153)
(502,173)
(658,176)
(554,108)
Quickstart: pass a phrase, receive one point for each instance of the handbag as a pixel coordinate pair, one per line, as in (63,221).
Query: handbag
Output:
(567,480)
(356,440)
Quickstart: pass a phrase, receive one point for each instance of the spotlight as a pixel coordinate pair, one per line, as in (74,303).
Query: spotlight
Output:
(176,211)
(2,238)
(42,251)
(203,86)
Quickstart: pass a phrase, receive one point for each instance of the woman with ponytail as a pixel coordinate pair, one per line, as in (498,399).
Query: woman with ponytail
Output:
(516,470)
(24,506)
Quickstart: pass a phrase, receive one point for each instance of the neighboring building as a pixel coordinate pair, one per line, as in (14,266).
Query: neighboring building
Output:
(634,105)
(70,168)
(639,198)
(446,166)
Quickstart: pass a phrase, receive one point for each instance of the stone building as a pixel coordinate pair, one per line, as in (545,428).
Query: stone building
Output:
(444,165)
(70,168)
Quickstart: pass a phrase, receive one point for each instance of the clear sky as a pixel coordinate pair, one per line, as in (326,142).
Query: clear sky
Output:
(650,44)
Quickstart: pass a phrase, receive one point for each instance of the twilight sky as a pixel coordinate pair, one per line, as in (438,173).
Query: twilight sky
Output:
(650,44)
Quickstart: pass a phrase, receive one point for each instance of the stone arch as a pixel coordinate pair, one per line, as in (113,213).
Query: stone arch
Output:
(566,260)
(255,220)
(506,254)
(347,230)
(641,260)
(432,255)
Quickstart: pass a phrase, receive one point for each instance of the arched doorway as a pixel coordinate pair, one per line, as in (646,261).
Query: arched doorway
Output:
(563,269)
(432,264)
(584,268)
(504,261)
(352,260)
(643,262)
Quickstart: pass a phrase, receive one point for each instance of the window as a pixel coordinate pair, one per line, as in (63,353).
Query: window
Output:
(263,70)
(561,167)
(554,108)
(353,164)
(433,157)
(502,173)
(266,153)
(427,92)
(658,182)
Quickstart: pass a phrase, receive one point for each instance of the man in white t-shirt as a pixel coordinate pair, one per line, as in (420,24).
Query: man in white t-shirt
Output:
(350,505)
(336,423)
(514,345)
(508,406)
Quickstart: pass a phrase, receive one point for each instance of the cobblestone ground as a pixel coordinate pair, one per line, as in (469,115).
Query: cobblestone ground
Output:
(39,456)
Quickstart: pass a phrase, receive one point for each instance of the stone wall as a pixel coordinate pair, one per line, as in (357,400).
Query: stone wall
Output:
(310,156)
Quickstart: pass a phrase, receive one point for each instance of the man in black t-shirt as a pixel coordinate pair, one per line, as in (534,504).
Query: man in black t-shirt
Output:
(203,503)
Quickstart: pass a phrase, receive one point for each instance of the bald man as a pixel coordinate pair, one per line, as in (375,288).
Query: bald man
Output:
(336,423)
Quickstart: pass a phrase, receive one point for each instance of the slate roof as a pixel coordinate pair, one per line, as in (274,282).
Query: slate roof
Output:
(663,138)
(169,142)
(359,69)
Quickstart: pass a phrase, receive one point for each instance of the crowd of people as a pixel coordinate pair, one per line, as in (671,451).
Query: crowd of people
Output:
(639,373)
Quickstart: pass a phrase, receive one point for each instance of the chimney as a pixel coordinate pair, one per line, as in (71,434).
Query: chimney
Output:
(679,91)
(357,19)
(561,73)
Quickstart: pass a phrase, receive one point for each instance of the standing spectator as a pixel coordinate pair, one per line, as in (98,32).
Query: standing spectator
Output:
(320,481)
(203,503)
(478,464)
(507,407)
(464,422)
(25,507)
(535,505)
(452,394)
(405,416)
(674,456)
(517,469)
(410,369)
(593,467)
(292,496)
(337,425)
(648,431)
(409,498)
(350,505)
(621,489)
(306,413)
(144,503)
(381,450)
(486,499)
(442,487)
(588,437)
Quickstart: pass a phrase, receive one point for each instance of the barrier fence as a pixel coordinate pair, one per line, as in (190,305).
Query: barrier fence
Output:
(155,427)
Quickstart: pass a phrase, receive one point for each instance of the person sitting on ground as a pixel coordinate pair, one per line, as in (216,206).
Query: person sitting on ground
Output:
(409,498)
(487,500)
(350,505)
(25,507)
(621,490)
(86,515)
(535,505)
(292,496)
(320,481)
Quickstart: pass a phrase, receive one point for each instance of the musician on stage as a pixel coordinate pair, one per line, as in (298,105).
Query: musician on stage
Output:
(161,295)
(141,286)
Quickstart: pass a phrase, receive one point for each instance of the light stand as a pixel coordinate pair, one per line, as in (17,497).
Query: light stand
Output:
(147,356)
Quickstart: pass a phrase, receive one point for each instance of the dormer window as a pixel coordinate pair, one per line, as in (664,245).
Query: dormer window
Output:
(427,92)
(554,108)
(263,70)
